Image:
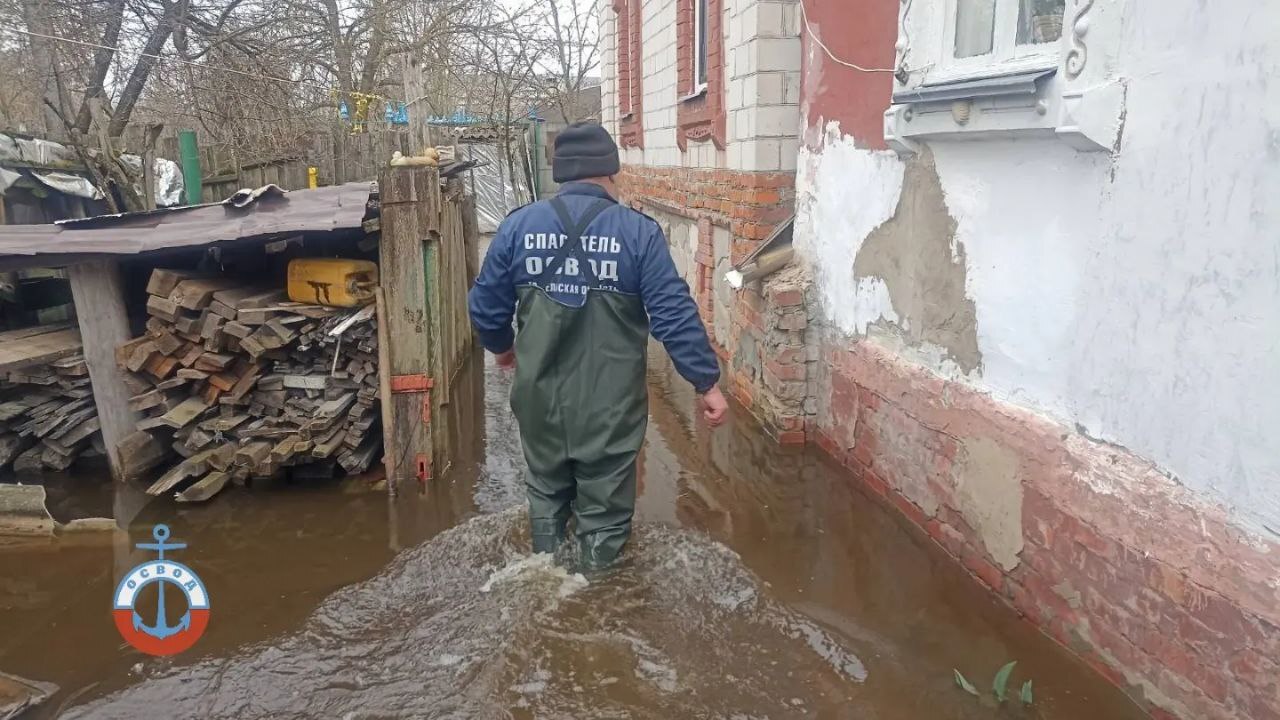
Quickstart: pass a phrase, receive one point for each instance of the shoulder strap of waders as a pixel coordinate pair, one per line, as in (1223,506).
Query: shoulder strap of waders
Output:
(574,231)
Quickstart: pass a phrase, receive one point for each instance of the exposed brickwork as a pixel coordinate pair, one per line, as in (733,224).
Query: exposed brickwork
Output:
(1155,590)
(630,76)
(700,117)
(749,204)
(768,367)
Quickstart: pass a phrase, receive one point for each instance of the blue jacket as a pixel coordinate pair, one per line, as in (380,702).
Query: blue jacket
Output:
(629,254)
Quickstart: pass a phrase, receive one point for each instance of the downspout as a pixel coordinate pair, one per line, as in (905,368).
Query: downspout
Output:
(772,255)
(537,150)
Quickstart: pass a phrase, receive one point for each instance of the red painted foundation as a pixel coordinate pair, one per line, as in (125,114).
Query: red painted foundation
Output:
(1155,589)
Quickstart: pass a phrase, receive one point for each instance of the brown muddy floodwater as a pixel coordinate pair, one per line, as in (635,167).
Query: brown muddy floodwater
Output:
(759,584)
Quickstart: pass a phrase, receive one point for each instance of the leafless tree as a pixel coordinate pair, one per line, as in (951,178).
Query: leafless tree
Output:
(263,77)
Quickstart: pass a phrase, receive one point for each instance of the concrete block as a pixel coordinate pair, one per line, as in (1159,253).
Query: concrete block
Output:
(777,121)
(791,21)
(791,88)
(761,155)
(770,88)
(750,21)
(769,20)
(738,92)
(776,54)
(789,151)
(735,155)
(734,26)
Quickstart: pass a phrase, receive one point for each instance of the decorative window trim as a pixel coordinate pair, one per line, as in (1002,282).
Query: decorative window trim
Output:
(1061,93)
(700,114)
(630,66)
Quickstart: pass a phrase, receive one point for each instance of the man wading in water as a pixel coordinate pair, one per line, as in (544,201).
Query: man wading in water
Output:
(587,279)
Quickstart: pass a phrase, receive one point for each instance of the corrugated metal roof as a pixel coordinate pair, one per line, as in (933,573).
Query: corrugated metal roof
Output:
(255,213)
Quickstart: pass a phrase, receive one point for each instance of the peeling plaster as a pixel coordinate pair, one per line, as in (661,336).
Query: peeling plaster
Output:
(989,493)
(918,258)
(843,194)
(882,245)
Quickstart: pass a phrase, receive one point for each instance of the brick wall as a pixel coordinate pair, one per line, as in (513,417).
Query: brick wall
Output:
(700,116)
(764,348)
(749,118)
(1154,589)
(629,82)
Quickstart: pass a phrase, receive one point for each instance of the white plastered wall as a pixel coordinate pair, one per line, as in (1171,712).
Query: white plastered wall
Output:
(1134,296)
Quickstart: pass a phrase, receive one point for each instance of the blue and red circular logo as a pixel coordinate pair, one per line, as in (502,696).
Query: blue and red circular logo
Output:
(157,636)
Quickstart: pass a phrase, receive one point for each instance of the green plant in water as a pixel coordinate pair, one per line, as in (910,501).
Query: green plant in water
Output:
(999,684)
(965,684)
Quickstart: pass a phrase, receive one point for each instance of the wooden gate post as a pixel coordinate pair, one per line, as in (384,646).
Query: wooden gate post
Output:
(410,206)
(98,292)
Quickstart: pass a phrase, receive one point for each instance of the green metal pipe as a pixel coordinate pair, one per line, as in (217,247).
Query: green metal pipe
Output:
(190,155)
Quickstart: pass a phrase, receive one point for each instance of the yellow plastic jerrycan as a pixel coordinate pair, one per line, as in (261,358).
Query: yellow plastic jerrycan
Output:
(332,281)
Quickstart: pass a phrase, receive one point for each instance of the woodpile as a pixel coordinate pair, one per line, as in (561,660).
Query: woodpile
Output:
(47,416)
(240,384)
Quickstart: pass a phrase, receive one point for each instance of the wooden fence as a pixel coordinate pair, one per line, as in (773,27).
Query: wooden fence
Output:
(339,157)
(428,252)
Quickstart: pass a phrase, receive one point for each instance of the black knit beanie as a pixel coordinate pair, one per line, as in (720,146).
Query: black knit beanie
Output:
(584,150)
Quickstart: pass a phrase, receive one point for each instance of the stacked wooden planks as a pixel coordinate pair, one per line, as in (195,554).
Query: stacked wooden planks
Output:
(242,384)
(47,415)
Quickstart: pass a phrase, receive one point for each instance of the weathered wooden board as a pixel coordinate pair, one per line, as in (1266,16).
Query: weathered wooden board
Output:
(139,453)
(410,199)
(163,281)
(187,411)
(209,485)
(198,293)
(24,349)
(162,308)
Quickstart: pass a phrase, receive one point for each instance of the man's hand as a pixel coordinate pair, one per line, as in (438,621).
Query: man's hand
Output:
(506,360)
(714,407)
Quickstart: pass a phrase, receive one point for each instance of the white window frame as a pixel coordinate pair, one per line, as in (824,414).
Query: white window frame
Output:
(701,45)
(1064,89)
(1006,56)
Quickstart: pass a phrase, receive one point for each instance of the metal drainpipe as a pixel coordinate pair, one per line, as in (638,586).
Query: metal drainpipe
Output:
(190,156)
(537,150)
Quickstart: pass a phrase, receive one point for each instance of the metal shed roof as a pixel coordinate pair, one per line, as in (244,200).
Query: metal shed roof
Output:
(250,213)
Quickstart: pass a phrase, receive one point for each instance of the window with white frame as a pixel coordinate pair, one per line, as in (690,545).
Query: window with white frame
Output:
(991,37)
(992,68)
(699,46)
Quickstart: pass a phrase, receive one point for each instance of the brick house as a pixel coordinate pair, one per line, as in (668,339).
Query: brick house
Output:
(703,96)
(1036,297)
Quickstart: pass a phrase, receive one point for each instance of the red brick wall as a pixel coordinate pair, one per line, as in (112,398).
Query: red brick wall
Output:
(702,117)
(767,367)
(630,75)
(749,204)
(1119,562)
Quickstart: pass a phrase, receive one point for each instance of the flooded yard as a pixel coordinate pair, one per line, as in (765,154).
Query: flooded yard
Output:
(759,584)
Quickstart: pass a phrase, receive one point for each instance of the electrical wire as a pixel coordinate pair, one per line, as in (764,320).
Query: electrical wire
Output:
(813,35)
(204,66)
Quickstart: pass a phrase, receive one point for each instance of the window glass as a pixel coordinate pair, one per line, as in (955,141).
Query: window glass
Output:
(975,27)
(702,43)
(1040,21)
